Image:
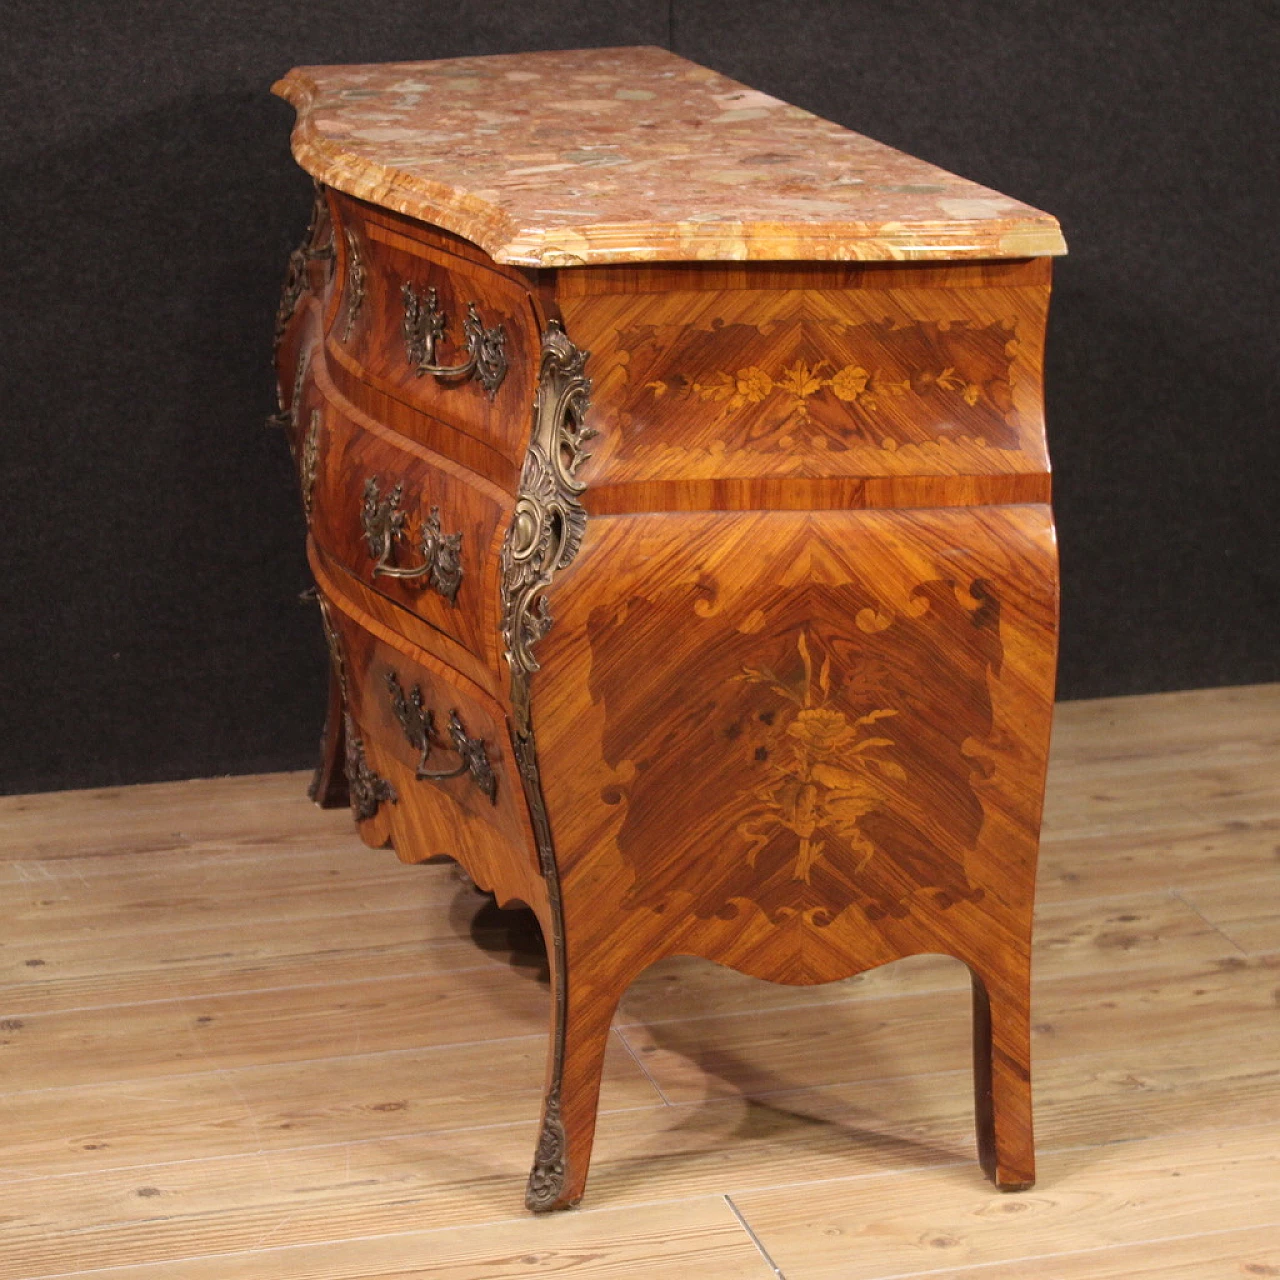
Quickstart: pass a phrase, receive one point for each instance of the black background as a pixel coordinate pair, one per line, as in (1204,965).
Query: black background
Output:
(151,546)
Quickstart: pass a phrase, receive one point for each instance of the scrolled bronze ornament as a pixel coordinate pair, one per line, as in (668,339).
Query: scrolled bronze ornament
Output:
(425,325)
(545,535)
(334,643)
(549,519)
(317,245)
(546,1178)
(288,416)
(321,788)
(309,461)
(442,553)
(367,788)
(383,522)
(355,282)
(417,721)
(386,524)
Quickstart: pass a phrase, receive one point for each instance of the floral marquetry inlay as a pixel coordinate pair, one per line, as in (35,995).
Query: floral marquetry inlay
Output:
(826,387)
(852,384)
(848,755)
(825,771)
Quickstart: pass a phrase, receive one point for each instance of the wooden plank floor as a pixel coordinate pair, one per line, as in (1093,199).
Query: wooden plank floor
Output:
(236,1043)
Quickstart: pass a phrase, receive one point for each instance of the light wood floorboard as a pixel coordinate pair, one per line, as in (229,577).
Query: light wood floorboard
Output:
(236,1043)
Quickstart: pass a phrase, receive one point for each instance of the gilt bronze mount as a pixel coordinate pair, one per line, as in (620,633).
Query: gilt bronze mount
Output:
(417,720)
(425,325)
(385,524)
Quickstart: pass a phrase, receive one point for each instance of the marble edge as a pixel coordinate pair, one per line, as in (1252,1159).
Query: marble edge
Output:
(600,244)
(439,203)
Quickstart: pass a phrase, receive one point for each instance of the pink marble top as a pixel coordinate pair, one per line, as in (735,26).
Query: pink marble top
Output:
(634,155)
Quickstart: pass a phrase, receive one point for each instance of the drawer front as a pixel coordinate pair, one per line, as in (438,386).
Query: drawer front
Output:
(429,759)
(439,332)
(411,525)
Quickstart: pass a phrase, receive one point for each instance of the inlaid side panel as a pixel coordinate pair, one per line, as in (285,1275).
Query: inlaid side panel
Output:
(891,374)
(800,744)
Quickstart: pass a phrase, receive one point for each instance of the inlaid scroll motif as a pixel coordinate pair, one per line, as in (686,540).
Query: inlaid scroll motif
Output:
(829,386)
(844,736)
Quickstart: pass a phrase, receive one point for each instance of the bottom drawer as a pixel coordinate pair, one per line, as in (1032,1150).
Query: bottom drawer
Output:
(429,759)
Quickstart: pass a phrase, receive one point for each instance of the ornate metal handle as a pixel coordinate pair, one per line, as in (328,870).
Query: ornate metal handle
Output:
(425,325)
(418,723)
(385,524)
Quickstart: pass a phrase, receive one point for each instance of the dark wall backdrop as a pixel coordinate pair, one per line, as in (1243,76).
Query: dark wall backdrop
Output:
(151,546)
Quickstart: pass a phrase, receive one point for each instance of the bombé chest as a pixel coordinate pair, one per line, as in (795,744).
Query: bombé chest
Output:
(677,494)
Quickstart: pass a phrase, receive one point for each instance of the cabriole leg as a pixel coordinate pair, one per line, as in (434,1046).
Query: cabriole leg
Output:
(581,1015)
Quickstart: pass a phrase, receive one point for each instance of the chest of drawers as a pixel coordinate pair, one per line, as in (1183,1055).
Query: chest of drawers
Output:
(677,495)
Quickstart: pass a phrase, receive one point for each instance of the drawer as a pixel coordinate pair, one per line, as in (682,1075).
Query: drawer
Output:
(410,524)
(440,332)
(429,757)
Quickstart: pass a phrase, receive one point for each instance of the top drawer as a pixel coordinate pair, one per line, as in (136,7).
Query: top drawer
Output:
(435,329)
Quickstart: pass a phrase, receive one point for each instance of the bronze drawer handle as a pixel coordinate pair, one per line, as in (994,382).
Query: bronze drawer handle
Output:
(385,524)
(425,325)
(418,722)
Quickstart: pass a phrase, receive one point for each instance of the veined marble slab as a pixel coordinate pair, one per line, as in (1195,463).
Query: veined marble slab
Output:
(635,155)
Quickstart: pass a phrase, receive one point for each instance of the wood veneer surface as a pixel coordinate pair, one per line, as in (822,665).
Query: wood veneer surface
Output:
(634,155)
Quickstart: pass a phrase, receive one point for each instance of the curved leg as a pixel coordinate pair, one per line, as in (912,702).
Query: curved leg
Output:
(329,782)
(580,1018)
(1002,1080)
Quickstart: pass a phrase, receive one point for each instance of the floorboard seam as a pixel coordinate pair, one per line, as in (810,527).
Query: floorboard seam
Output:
(1217,928)
(962,1162)
(529,1122)
(644,1071)
(755,1239)
(956,1268)
(246,991)
(276,1065)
